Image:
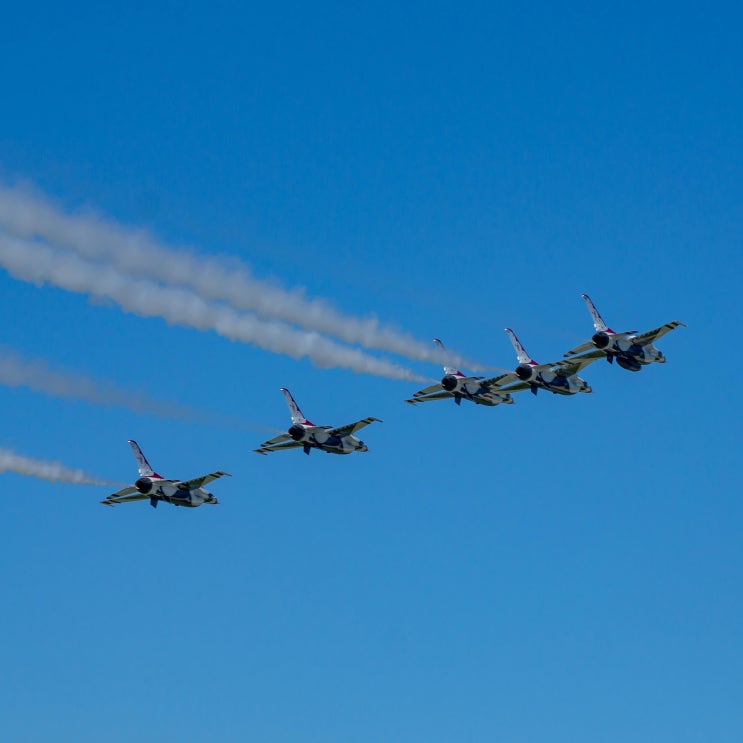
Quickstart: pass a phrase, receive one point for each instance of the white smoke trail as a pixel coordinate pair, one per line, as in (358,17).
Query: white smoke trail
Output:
(19,371)
(38,263)
(135,252)
(52,471)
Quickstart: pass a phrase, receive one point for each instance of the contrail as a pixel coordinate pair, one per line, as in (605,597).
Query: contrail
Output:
(227,280)
(19,371)
(52,471)
(35,262)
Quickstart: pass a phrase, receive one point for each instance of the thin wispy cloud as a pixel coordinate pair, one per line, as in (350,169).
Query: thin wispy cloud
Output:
(46,470)
(36,374)
(40,263)
(26,214)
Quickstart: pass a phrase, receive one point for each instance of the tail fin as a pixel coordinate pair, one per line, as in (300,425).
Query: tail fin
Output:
(521,354)
(297,414)
(447,369)
(598,322)
(142,464)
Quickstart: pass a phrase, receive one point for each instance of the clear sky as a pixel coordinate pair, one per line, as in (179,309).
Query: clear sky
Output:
(561,569)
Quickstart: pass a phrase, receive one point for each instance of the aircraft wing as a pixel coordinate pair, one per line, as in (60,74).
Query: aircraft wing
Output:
(574,365)
(428,390)
(115,498)
(418,397)
(199,482)
(268,446)
(579,349)
(495,383)
(276,440)
(517,387)
(644,338)
(347,430)
(124,491)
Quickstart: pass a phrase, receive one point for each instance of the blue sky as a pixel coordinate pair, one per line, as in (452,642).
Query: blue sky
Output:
(563,569)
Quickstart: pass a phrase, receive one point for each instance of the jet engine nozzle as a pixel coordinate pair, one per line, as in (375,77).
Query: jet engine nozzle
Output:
(144,485)
(449,382)
(600,339)
(297,432)
(524,372)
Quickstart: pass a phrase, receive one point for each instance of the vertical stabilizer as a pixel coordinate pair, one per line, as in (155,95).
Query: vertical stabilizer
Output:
(598,322)
(447,369)
(521,354)
(297,414)
(142,464)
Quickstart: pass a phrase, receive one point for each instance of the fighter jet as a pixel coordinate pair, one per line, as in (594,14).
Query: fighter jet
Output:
(560,377)
(460,387)
(631,351)
(150,485)
(302,433)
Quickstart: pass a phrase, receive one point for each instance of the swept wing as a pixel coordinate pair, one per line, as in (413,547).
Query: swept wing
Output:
(495,383)
(275,446)
(419,397)
(124,491)
(199,482)
(350,428)
(574,365)
(112,500)
(644,338)
(579,349)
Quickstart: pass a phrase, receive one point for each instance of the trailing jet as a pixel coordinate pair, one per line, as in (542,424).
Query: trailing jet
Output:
(308,436)
(631,351)
(460,387)
(150,485)
(560,377)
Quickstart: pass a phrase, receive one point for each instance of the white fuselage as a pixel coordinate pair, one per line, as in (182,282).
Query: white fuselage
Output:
(319,438)
(547,379)
(173,491)
(623,345)
(471,389)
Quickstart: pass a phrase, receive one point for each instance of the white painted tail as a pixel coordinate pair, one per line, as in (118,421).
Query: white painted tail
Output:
(447,369)
(598,322)
(521,354)
(142,464)
(297,414)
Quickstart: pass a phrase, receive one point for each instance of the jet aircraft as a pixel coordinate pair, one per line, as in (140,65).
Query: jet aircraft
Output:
(150,485)
(560,377)
(460,387)
(632,351)
(302,433)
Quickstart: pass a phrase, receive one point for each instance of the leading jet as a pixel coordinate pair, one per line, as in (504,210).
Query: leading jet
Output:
(460,387)
(632,351)
(302,433)
(559,377)
(151,486)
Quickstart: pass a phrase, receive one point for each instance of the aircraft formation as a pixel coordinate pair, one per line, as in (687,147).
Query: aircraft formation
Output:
(630,349)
